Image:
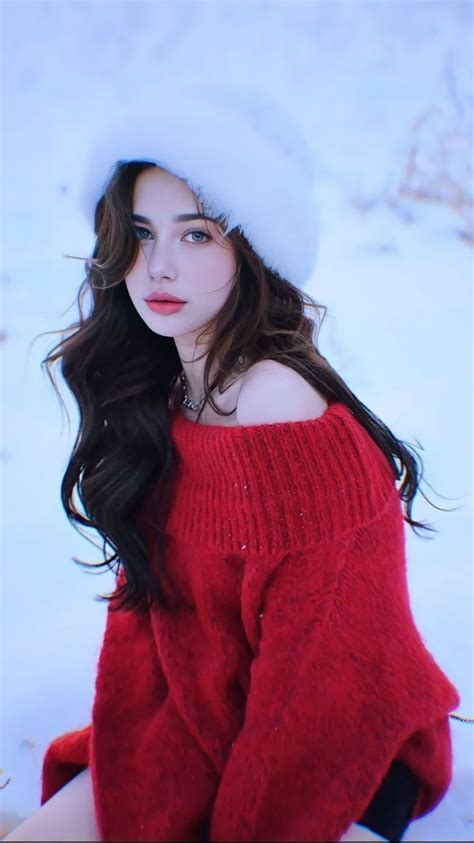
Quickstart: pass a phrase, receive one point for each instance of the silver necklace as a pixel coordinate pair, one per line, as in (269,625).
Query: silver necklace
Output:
(191,403)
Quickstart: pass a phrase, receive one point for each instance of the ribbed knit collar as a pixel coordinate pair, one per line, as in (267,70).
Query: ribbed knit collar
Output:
(268,488)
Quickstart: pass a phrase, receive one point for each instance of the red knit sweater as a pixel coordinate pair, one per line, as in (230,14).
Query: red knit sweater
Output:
(270,706)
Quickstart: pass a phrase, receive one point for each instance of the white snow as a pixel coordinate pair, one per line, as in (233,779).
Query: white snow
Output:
(384,92)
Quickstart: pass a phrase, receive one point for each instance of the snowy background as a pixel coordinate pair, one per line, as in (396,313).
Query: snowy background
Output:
(384,93)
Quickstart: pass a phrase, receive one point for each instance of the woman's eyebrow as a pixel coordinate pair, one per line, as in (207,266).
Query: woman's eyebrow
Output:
(178,218)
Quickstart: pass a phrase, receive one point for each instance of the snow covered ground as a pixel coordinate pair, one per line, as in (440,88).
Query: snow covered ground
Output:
(384,93)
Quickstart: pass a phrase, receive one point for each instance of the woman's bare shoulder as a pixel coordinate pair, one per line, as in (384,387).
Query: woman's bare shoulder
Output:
(272,392)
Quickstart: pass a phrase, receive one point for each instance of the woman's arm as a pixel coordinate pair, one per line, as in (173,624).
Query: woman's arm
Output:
(68,815)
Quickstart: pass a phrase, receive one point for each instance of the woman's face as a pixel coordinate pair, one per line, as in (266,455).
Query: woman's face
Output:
(178,258)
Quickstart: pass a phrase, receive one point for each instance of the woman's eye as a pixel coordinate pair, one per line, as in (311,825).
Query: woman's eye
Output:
(202,233)
(138,229)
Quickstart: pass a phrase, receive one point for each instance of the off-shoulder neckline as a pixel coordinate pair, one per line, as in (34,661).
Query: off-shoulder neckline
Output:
(276,485)
(181,423)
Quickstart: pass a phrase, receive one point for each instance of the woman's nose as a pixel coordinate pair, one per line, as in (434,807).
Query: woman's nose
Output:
(160,261)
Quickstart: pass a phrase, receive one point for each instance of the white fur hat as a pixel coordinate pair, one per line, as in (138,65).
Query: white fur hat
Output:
(238,150)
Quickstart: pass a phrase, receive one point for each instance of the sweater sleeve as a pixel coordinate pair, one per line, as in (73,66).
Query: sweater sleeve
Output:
(339,681)
(65,757)
(71,752)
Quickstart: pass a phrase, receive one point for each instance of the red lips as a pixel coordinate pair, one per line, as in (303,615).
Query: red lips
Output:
(164,297)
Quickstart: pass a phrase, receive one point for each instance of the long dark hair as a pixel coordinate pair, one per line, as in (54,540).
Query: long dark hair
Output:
(122,376)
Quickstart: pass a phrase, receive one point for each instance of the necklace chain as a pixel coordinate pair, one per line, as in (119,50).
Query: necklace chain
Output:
(190,403)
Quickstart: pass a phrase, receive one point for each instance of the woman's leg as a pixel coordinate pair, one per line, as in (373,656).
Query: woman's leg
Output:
(68,815)
(359,833)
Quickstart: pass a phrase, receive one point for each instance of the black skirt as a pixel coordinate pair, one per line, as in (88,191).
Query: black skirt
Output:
(391,809)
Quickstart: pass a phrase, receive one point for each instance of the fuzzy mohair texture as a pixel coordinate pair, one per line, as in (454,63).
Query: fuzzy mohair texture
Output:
(241,152)
(271,704)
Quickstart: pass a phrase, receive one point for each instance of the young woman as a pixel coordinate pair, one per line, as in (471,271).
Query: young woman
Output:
(261,675)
